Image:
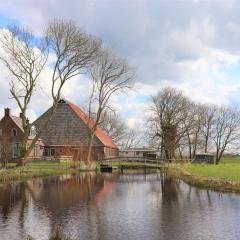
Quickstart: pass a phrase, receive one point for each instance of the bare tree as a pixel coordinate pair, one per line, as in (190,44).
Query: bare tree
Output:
(110,75)
(194,123)
(208,123)
(25,57)
(226,130)
(133,138)
(113,126)
(73,51)
(169,109)
(179,124)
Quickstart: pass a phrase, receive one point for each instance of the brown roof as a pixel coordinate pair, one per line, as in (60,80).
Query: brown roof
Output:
(69,126)
(18,121)
(106,140)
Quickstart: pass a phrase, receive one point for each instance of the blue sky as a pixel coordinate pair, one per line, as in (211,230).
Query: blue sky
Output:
(6,22)
(189,44)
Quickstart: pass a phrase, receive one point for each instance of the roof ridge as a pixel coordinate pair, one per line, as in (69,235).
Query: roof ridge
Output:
(99,133)
(16,121)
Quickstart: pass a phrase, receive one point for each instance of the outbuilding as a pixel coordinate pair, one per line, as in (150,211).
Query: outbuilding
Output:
(139,152)
(204,158)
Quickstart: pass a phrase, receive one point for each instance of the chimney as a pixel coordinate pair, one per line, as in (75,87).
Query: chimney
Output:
(7,112)
(20,115)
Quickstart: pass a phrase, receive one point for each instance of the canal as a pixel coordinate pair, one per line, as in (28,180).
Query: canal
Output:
(114,206)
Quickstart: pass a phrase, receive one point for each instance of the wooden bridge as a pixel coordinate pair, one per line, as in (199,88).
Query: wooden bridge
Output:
(114,163)
(110,164)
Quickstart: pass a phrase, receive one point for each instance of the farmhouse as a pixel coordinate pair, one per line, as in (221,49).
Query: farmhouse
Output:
(11,136)
(67,134)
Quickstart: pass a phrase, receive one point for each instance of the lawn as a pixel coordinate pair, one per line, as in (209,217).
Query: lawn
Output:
(228,169)
(35,169)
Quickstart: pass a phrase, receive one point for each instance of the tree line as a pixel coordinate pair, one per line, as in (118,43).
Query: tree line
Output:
(182,128)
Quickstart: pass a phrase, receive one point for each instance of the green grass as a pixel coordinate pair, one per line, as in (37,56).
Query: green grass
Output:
(224,177)
(230,160)
(227,169)
(36,169)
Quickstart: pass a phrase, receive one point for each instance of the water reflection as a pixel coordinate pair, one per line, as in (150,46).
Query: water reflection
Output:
(114,206)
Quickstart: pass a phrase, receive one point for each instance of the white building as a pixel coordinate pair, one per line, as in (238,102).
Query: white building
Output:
(139,152)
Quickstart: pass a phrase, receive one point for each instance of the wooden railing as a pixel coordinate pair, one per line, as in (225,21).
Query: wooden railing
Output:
(122,159)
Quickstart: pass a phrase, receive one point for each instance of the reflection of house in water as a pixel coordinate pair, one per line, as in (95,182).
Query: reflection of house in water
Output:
(45,201)
(11,195)
(104,192)
(61,193)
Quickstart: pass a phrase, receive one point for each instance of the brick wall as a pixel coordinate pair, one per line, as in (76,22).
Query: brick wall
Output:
(8,138)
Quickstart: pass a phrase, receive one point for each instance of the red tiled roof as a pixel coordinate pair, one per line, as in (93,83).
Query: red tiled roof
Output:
(106,140)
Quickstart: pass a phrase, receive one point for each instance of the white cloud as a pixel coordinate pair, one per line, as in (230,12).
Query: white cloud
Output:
(192,48)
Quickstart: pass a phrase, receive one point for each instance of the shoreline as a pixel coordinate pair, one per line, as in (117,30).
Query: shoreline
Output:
(48,169)
(39,170)
(22,175)
(210,183)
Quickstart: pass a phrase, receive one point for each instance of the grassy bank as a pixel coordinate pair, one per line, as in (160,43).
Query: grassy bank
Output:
(39,169)
(223,177)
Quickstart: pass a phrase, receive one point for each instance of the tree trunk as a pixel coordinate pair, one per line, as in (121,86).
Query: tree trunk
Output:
(206,144)
(89,158)
(180,152)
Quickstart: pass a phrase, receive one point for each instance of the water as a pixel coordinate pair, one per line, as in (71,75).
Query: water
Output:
(113,206)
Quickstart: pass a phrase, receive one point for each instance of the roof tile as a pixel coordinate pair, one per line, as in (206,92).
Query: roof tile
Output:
(106,140)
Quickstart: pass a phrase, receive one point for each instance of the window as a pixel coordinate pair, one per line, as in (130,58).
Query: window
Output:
(32,131)
(16,150)
(46,152)
(36,150)
(0,132)
(49,151)
(14,132)
(52,151)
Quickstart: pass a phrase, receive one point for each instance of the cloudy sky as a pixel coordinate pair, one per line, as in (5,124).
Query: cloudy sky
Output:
(191,45)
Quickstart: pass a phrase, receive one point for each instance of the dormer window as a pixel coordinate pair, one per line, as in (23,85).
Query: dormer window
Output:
(61,101)
(14,132)
(33,131)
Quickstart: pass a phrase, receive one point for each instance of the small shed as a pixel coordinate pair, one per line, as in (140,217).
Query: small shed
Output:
(204,158)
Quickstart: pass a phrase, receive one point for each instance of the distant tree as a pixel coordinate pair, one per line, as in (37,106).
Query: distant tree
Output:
(110,75)
(208,123)
(112,124)
(178,125)
(133,138)
(73,51)
(226,130)
(169,109)
(194,124)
